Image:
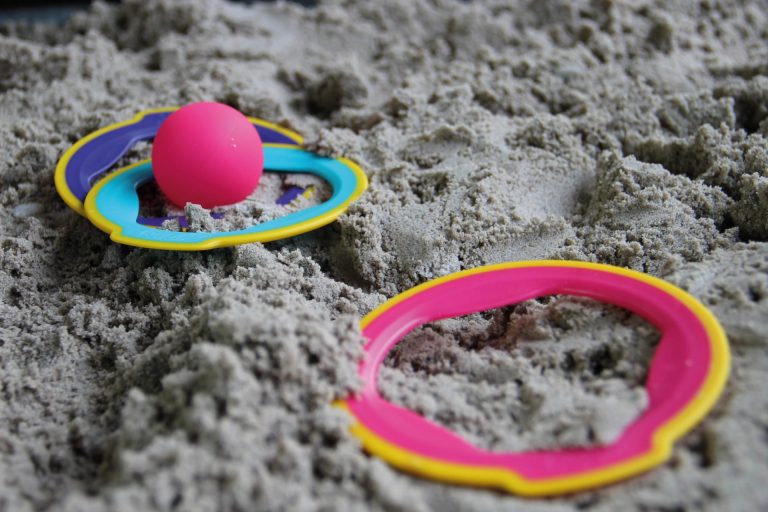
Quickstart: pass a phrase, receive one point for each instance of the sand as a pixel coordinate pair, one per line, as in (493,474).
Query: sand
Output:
(628,133)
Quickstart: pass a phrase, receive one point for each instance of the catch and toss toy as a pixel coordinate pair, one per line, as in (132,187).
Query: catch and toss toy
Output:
(686,376)
(112,203)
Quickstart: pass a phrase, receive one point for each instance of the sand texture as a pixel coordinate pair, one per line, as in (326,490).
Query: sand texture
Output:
(621,132)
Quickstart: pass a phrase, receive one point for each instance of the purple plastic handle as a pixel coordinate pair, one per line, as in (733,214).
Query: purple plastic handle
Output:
(101,153)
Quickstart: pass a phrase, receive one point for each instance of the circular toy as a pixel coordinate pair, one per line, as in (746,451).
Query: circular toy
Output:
(112,203)
(208,154)
(686,376)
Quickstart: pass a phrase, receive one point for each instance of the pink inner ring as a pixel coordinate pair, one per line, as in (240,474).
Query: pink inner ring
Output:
(678,369)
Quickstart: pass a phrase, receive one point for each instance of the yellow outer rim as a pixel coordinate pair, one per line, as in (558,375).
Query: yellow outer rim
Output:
(115,231)
(511,481)
(60,178)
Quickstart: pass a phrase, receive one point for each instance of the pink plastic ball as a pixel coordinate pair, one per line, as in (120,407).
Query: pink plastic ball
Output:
(208,154)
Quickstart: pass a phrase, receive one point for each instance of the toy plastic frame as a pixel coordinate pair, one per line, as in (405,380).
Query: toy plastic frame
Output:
(687,374)
(112,203)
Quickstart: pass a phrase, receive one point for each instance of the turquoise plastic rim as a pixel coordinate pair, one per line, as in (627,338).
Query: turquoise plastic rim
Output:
(113,204)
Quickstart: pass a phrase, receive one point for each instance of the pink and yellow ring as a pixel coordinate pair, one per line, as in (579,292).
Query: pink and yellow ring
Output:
(687,374)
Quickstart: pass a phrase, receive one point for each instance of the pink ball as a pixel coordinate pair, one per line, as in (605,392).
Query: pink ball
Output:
(207,153)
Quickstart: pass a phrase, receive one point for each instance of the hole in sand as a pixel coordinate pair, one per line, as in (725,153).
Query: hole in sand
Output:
(548,373)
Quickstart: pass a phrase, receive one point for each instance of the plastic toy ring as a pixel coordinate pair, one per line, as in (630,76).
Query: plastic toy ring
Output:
(687,374)
(112,204)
